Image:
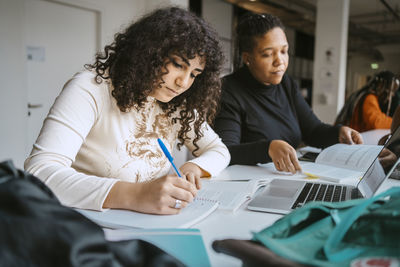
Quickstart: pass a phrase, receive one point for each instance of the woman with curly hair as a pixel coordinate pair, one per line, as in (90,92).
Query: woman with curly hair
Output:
(159,79)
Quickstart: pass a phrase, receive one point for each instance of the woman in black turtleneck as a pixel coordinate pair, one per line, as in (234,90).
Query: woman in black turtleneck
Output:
(263,117)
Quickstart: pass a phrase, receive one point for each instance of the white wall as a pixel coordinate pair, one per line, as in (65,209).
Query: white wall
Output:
(13,97)
(153,4)
(330,58)
(219,14)
(114,16)
(359,66)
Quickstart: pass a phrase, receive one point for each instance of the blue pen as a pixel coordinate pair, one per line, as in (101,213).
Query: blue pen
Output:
(168,155)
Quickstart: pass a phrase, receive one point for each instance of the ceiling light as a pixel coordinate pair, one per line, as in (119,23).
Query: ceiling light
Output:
(374,66)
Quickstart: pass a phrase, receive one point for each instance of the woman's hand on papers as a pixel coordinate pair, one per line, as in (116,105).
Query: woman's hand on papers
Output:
(284,156)
(158,196)
(192,173)
(350,136)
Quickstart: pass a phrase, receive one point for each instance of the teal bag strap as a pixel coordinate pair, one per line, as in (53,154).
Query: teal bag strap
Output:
(347,220)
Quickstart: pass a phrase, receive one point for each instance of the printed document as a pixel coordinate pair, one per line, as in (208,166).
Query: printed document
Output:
(341,161)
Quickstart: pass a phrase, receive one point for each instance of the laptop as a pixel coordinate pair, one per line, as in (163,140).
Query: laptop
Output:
(283,195)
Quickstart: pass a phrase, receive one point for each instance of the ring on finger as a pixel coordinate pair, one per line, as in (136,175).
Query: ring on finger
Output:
(178,204)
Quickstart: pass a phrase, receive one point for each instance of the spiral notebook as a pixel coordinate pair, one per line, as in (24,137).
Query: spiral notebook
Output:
(196,211)
(230,194)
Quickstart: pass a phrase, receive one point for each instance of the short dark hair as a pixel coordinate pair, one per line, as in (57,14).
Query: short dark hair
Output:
(254,25)
(136,60)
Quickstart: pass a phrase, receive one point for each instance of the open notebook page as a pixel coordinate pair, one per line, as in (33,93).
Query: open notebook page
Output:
(230,194)
(119,219)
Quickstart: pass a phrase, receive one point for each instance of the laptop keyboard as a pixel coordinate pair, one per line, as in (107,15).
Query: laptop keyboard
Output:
(322,192)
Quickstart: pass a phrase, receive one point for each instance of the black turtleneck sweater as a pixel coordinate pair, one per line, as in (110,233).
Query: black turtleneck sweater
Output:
(253,114)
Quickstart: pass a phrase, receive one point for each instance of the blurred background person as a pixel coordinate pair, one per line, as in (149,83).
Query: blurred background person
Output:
(372,106)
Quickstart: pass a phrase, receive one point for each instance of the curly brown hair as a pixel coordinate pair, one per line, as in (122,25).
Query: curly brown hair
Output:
(136,60)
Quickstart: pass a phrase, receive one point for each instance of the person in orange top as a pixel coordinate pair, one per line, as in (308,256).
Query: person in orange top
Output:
(371,117)
(369,108)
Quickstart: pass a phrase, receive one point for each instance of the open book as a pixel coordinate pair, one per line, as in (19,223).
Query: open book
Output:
(187,245)
(341,161)
(230,194)
(119,219)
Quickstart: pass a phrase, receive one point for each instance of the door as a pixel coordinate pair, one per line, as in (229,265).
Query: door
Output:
(60,39)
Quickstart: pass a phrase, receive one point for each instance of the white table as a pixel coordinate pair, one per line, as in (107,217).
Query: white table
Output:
(240,225)
(372,137)
(222,224)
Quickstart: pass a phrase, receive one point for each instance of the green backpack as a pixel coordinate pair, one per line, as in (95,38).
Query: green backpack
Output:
(335,234)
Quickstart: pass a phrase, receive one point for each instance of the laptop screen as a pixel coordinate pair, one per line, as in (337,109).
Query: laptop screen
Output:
(382,166)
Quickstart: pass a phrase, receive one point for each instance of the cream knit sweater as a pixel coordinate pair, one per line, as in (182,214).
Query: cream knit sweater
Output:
(87,144)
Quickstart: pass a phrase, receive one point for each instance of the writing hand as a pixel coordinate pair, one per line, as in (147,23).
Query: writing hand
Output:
(157,196)
(284,156)
(350,136)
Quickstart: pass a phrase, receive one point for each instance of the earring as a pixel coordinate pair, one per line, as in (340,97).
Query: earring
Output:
(247,63)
